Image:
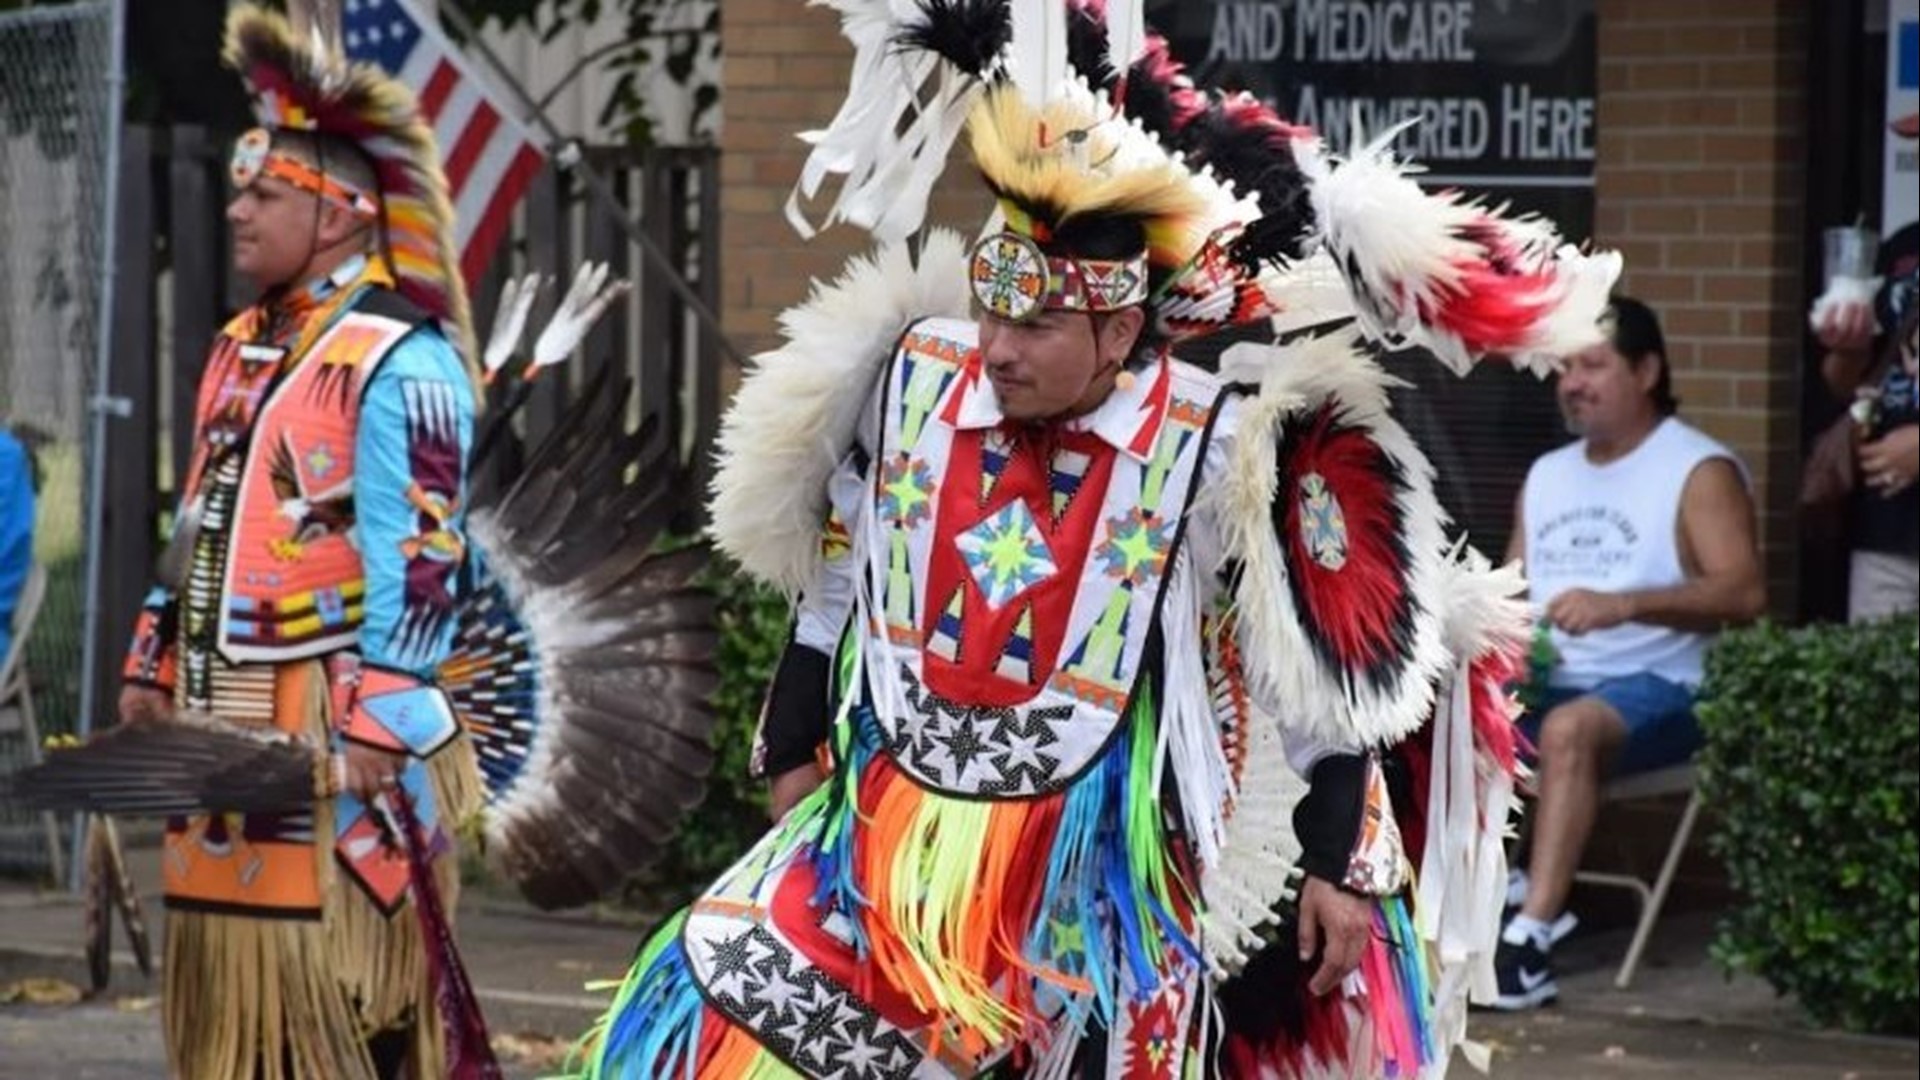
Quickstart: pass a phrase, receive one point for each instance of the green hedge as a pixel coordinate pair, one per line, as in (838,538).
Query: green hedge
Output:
(753,630)
(1812,759)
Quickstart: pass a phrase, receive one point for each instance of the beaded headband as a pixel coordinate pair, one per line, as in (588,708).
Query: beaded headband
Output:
(254,157)
(1014,280)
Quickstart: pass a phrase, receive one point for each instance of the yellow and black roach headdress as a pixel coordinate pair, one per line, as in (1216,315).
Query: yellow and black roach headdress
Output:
(301,85)
(1096,216)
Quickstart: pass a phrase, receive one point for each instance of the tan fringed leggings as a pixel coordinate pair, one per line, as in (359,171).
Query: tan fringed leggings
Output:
(281,999)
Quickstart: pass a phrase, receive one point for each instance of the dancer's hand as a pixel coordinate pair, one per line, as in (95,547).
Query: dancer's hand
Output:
(371,771)
(139,703)
(785,791)
(1336,924)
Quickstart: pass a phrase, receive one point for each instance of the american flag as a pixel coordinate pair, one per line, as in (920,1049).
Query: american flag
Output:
(489,156)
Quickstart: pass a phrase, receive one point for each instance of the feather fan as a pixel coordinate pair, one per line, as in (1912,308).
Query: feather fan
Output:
(182,766)
(582,662)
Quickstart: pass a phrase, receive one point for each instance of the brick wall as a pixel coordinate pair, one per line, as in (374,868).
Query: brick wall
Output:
(1701,186)
(786,71)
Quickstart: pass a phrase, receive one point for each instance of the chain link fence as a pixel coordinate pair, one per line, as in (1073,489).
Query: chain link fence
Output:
(55,121)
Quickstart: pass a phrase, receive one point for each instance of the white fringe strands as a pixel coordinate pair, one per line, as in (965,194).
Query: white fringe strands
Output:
(1463,870)
(258,998)
(1190,737)
(890,139)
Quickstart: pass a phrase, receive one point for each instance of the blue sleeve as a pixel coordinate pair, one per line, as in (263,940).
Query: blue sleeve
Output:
(410,488)
(16,531)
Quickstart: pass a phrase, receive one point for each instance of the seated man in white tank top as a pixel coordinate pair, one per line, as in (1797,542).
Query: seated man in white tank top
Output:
(1638,542)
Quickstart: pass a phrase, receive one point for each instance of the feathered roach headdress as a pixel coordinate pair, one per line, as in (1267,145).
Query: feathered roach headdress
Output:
(1415,268)
(1069,170)
(305,86)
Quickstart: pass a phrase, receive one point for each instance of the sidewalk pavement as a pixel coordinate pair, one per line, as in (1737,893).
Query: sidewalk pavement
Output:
(531,969)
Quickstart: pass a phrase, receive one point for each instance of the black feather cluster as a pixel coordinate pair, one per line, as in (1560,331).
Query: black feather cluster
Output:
(1247,143)
(969,34)
(1152,103)
(1244,141)
(1087,44)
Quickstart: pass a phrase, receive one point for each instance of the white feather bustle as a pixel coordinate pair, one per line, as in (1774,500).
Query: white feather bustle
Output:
(1486,608)
(1280,660)
(1403,248)
(798,408)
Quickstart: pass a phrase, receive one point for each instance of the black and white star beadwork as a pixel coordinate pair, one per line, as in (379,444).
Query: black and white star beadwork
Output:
(803,1016)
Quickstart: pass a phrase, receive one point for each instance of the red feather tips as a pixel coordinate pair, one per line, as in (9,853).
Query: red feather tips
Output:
(1247,113)
(1493,675)
(1498,299)
(1493,312)
(1339,514)
(1160,92)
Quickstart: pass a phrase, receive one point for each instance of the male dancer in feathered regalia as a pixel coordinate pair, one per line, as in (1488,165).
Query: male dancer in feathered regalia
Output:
(1138,720)
(316,549)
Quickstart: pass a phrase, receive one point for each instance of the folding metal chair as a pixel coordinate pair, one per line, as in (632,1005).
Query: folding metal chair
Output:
(16,695)
(1673,780)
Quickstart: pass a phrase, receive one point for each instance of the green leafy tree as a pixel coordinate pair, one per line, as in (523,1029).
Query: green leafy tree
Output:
(679,37)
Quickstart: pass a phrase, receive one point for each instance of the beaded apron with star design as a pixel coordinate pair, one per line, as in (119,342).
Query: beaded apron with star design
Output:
(1018,571)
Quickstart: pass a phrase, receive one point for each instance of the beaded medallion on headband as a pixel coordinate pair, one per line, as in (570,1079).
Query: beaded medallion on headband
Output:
(1016,281)
(1065,172)
(254,156)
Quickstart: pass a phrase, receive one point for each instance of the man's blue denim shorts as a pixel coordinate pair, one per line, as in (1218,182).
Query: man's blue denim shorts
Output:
(1661,729)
